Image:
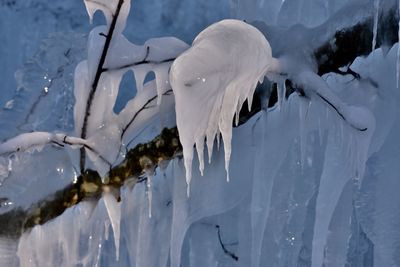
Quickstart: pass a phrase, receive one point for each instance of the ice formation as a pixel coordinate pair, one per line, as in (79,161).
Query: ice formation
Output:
(104,129)
(398,57)
(95,119)
(313,180)
(376,18)
(212,80)
(110,9)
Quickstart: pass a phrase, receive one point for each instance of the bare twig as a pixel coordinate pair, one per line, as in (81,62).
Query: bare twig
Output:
(145,106)
(226,251)
(143,62)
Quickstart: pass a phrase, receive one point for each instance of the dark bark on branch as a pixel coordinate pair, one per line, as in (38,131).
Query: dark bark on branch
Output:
(344,47)
(356,41)
(89,187)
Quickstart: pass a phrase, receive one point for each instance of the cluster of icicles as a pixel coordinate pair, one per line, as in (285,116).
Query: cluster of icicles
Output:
(210,80)
(210,85)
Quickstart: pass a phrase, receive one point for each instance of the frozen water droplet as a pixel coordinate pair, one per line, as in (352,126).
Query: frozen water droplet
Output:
(9,104)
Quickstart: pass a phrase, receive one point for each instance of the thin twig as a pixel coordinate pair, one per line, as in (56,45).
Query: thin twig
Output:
(340,114)
(124,129)
(227,252)
(143,62)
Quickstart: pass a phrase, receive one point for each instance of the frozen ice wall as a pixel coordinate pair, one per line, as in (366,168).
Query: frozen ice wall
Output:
(294,198)
(305,188)
(286,13)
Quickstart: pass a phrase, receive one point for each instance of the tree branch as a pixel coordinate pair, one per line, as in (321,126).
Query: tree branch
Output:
(348,43)
(89,187)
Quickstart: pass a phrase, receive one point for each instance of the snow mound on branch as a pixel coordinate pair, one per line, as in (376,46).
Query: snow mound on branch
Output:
(212,80)
(109,8)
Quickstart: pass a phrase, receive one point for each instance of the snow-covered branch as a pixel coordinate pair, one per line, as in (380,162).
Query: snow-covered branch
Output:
(328,57)
(99,71)
(37,140)
(349,43)
(89,185)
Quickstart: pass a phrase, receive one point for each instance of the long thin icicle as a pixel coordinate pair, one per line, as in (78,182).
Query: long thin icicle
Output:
(376,18)
(149,185)
(398,55)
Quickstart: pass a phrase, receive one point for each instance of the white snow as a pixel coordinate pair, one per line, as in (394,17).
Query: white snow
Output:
(105,130)
(36,141)
(109,7)
(210,84)
(313,180)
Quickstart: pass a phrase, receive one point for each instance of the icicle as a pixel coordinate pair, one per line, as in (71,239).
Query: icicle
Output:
(281,89)
(4,168)
(398,56)
(210,144)
(140,74)
(188,166)
(8,251)
(218,136)
(107,225)
(162,81)
(200,154)
(320,131)
(237,115)
(303,109)
(114,213)
(376,18)
(250,99)
(149,185)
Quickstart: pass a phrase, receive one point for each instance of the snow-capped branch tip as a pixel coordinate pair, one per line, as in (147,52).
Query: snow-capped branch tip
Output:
(110,8)
(309,84)
(36,140)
